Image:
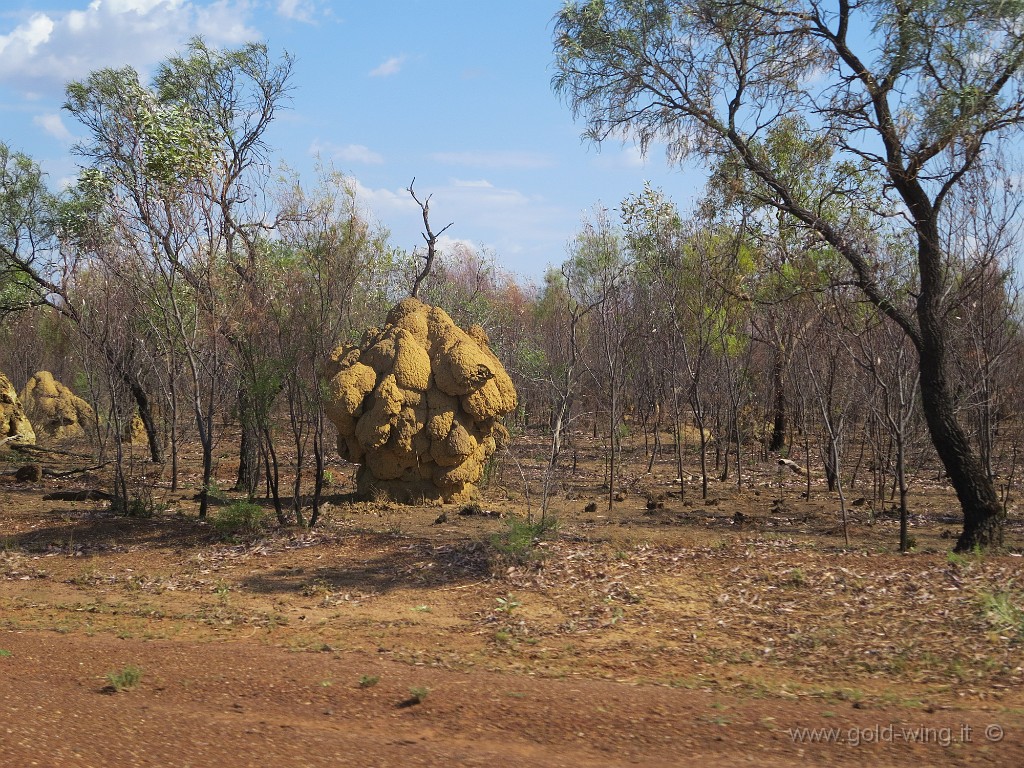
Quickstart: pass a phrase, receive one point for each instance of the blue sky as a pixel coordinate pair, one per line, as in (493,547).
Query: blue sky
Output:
(456,94)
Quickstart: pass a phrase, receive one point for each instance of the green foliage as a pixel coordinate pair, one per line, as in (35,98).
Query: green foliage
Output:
(507,604)
(26,226)
(418,694)
(788,130)
(134,506)
(1004,613)
(179,144)
(124,680)
(214,492)
(243,519)
(368,681)
(518,542)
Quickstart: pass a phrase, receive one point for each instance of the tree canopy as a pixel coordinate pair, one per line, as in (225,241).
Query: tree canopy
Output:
(894,102)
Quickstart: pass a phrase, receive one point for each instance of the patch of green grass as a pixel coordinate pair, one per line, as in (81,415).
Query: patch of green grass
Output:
(124,680)
(241,520)
(958,560)
(4,653)
(368,681)
(1003,612)
(418,693)
(796,578)
(518,542)
(507,604)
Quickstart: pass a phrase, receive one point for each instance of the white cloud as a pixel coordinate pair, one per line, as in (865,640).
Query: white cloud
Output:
(390,67)
(495,159)
(46,50)
(297,10)
(449,245)
(347,153)
(478,183)
(53,125)
(628,156)
(27,36)
(519,228)
(383,202)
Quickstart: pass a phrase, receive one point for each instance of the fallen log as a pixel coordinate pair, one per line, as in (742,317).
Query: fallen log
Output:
(90,494)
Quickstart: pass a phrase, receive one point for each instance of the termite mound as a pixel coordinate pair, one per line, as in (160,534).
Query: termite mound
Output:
(418,405)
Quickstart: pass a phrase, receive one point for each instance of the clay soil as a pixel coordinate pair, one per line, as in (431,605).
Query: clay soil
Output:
(665,630)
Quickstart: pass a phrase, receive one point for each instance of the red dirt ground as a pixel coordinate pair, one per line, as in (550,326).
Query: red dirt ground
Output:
(678,635)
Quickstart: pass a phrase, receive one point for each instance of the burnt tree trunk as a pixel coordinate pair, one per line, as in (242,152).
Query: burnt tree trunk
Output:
(249,463)
(983,514)
(156,452)
(779,419)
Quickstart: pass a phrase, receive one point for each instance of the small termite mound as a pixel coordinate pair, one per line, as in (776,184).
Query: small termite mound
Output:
(14,424)
(57,412)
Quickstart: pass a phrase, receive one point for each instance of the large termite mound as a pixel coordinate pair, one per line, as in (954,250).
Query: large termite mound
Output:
(14,424)
(56,411)
(418,404)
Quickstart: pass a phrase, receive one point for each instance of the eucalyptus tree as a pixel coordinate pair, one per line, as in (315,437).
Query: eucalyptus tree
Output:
(984,230)
(45,246)
(326,280)
(787,267)
(183,167)
(693,271)
(26,232)
(828,371)
(597,276)
(555,363)
(914,93)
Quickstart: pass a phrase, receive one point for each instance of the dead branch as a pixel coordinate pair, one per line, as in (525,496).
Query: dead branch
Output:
(89,495)
(78,471)
(429,236)
(35,449)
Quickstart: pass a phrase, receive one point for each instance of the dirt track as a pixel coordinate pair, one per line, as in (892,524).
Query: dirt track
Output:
(245,704)
(684,634)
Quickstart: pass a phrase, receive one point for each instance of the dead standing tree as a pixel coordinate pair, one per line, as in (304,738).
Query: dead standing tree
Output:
(429,236)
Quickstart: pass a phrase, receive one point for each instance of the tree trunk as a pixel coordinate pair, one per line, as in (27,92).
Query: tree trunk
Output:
(984,516)
(779,420)
(249,464)
(146,415)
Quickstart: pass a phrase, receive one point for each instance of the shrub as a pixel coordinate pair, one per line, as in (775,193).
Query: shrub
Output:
(518,541)
(243,519)
(124,680)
